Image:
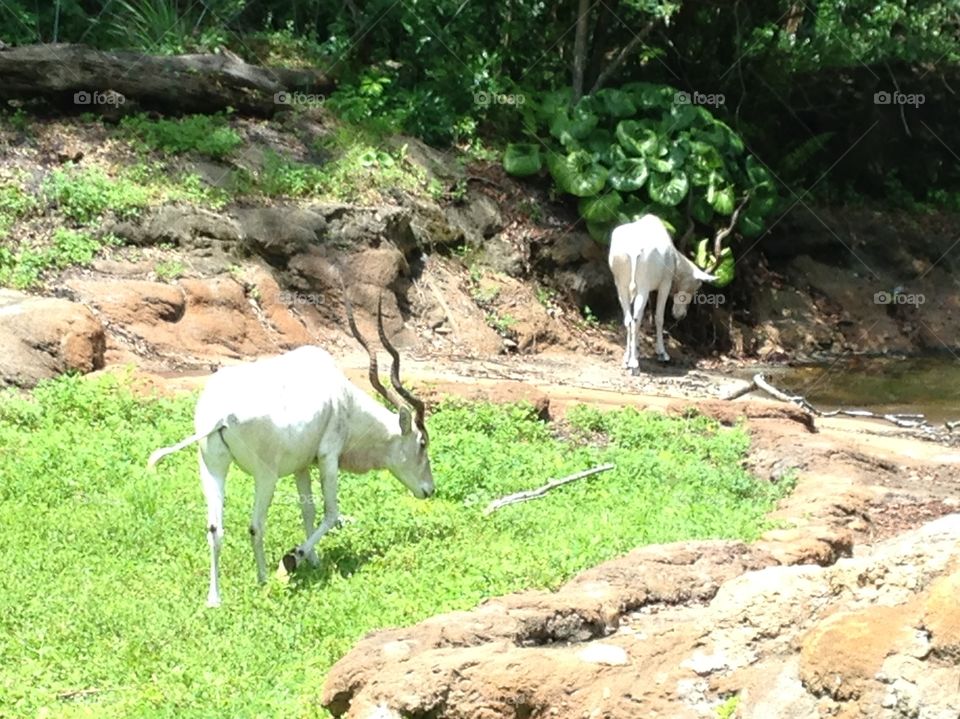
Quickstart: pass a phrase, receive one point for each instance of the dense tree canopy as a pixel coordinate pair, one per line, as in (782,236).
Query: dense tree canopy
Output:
(847,98)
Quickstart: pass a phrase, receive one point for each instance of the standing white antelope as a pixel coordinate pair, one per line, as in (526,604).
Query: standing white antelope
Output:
(281,415)
(643,259)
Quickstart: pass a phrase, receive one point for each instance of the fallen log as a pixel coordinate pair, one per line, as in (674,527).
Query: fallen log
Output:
(119,82)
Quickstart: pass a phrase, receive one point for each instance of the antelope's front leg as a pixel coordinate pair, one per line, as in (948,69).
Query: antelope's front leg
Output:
(331,513)
(307,509)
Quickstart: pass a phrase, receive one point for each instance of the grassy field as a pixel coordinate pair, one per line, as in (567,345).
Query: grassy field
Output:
(102,608)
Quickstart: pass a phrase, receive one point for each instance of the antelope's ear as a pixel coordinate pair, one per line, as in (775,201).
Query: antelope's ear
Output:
(406,420)
(703,276)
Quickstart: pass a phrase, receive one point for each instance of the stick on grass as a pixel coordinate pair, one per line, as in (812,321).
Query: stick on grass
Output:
(540,491)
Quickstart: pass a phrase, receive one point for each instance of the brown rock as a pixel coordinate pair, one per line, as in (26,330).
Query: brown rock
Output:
(672,630)
(941,618)
(44,337)
(196,318)
(845,651)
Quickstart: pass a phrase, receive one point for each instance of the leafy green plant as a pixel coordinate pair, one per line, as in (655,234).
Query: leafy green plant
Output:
(18,120)
(208,135)
(728,709)
(502,323)
(167,270)
(589,318)
(14,204)
(638,149)
(25,268)
(169,26)
(84,195)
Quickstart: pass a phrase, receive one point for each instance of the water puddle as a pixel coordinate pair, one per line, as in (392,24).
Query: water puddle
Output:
(928,385)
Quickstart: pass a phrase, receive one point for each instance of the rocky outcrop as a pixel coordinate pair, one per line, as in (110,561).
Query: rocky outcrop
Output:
(677,630)
(44,336)
(196,319)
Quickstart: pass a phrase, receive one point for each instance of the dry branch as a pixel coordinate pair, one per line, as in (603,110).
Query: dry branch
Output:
(722,234)
(540,491)
(906,421)
(173,84)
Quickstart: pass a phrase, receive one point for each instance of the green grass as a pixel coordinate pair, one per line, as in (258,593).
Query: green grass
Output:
(208,135)
(356,171)
(25,268)
(15,203)
(84,195)
(106,565)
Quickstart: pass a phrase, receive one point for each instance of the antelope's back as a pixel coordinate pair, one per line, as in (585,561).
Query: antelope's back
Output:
(277,408)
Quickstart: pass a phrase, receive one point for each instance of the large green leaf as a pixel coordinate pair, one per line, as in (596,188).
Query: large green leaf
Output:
(680,118)
(600,231)
(668,189)
(629,174)
(577,173)
(758,174)
(636,137)
(647,96)
(616,103)
(750,225)
(553,103)
(701,210)
(613,155)
(734,142)
(600,141)
(670,157)
(576,124)
(713,134)
(703,155)
(602,208)
(704,258)
(725,270)
(522,159)
(633,209)
(721,199)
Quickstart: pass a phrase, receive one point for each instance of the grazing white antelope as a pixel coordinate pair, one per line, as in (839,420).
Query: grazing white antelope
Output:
(280,416)
(642,259)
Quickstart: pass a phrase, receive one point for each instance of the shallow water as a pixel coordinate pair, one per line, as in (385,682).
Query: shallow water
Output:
(928,385)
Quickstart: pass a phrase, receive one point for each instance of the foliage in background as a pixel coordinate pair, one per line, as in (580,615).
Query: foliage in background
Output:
(861,90)
(645,148)
(121,620)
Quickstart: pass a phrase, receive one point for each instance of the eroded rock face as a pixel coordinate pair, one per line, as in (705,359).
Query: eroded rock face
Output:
(193,318)
(42,337)
(674,630)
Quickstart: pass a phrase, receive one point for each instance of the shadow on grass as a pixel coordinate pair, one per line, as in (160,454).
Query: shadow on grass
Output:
(332,561)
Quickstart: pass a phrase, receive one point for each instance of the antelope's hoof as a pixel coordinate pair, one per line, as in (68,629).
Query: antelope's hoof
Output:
(664,358)
(288,565)
(635,371)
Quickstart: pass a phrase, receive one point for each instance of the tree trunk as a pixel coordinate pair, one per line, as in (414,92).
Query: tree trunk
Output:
(121,82)
(580,48)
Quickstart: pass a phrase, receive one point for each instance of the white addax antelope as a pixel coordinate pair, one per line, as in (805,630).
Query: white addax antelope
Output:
(643,259)
(280,416)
